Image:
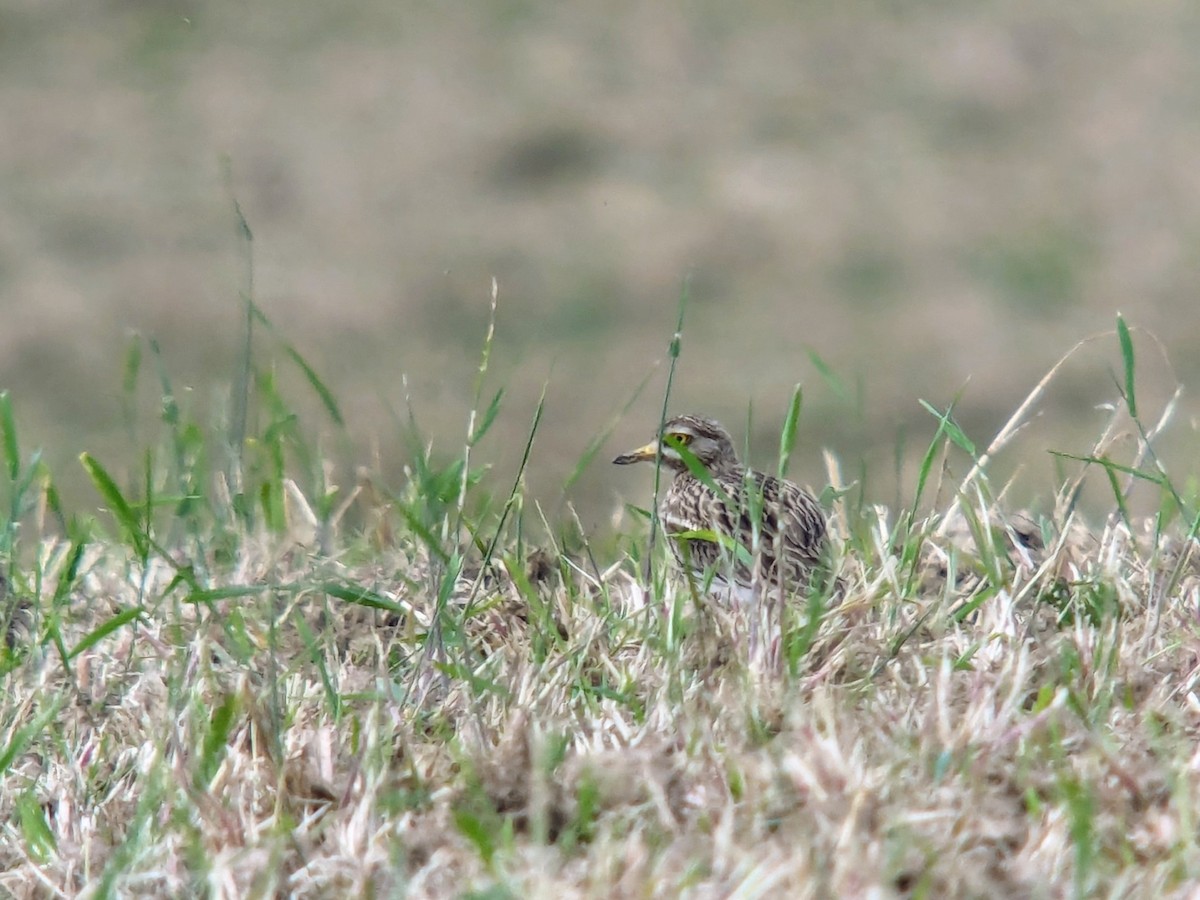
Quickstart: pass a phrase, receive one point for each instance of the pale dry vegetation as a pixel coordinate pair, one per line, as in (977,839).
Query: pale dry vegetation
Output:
(243,680)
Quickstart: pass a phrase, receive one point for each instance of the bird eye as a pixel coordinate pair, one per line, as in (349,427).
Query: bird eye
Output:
(682,438)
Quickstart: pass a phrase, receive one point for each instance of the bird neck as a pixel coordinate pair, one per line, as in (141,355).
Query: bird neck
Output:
(719,469)
(727,468)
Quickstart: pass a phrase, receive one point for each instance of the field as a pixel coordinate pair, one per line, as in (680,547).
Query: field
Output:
(238,679)
(321,324)
(935,199)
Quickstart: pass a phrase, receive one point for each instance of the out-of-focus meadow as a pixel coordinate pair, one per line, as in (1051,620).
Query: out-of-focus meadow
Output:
(937,199)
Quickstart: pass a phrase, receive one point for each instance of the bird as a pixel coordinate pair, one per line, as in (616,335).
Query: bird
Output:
(745,529)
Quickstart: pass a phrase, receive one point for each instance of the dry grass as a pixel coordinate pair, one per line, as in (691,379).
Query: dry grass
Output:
(226,689)
(571,740)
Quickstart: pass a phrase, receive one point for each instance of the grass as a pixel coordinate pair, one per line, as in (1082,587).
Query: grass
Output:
(238,677)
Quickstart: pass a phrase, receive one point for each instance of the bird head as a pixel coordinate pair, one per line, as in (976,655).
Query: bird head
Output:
(706,439)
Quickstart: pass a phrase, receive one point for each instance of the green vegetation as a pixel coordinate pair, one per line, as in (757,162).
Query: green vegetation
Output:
(240,677)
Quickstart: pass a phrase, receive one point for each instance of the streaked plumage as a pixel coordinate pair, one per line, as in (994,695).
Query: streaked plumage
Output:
(790,522)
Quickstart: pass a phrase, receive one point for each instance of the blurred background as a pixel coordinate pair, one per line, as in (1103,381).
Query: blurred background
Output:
(936,201)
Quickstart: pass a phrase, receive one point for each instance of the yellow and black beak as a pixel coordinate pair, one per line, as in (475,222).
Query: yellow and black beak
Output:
(641,454)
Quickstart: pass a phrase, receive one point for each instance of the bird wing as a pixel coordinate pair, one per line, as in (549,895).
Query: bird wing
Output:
(792,513)
(788,520)
(790,523)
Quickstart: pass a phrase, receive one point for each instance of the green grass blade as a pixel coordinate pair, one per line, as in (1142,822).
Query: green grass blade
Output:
(52,498)
(132,367)
(21,497)
(787,438)
(330,403)
(332,697)
(419,528)
(129,382)
(117,504)
(593,447)
(829,376)
(216,739)
(800,640)
(515,491)
(948,426)
(725,541)
(698,470)
(324,394)
(477,834)
(509,503)
(39,838)
(70,572)
(925,469)
(479,685)
(233,592)
(146,507)
(12,451)
(673,350)
(24,736)
(1127,359)
(168,406)
(960,614)
(1112,466)
(110,625)
(361,596)
(1118,495)
(240,417)
(489,417)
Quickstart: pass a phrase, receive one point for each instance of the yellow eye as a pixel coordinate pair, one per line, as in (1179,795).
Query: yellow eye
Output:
(682,438)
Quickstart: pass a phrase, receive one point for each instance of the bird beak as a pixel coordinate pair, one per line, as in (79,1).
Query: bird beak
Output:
(641,454)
